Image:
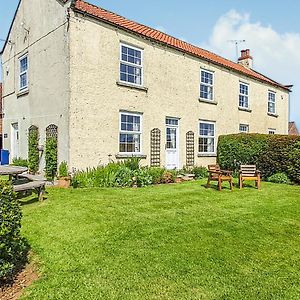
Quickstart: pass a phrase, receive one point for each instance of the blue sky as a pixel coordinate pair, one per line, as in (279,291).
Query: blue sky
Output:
(271,30)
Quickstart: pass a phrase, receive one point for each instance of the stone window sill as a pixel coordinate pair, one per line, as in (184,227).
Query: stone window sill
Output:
(273,115)
(208,101)
(207,155)
(130,155)
(22,93)
(245,109)
(132,86)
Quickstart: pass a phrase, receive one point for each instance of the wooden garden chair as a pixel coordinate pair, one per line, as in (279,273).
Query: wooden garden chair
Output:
(249,172)
(216,174)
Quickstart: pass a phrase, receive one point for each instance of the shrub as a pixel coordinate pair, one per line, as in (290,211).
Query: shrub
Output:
(279,178)
(270,153)
(33,152)
(13,248)
(199,172)
(156,174)
(63,169)
(169,177)
(20,162)
(133,163)
(124,177)
(294,166)
(142,177)
(51,158)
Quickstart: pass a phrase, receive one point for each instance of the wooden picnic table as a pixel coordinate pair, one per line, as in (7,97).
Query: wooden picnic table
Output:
(16,171)
(12,171)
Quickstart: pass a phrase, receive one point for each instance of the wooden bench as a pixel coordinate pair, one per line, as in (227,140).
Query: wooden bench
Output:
(37,186)
(249,172)
(32,177)
(216,174)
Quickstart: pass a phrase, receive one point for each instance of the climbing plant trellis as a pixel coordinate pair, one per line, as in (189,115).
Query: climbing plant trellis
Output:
(155,141)
(190,149)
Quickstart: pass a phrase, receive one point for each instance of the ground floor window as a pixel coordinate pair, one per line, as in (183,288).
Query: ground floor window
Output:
(271,131)
(244,128)
(207,137)
(130,133)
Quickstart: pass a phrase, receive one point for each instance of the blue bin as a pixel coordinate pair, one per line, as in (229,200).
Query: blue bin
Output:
(4,156)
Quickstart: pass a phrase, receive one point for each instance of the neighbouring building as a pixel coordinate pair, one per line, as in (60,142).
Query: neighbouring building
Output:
(111,88)
(293,130)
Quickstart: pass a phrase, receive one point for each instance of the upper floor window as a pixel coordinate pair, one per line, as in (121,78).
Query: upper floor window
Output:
(244,95)
(207,137)
(207,84)
(130,133)
(131,65)
(23,72)
(244,128)
(271,102)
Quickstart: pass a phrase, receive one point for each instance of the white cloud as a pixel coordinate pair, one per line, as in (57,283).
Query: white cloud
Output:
(275,54)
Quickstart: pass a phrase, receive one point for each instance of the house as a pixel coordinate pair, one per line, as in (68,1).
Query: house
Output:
(293,130)
(112,88)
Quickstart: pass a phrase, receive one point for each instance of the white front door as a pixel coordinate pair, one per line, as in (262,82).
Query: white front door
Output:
(14,140)
(172,143)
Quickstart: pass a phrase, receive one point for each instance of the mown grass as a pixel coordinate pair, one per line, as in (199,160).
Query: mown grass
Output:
(166,242)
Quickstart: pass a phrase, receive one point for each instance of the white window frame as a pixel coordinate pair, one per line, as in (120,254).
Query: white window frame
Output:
(244,95)
(271,131)
(23,72)
(206,136)
(141,66)
(273,102)
(140,133)
(246,126)
(207,84)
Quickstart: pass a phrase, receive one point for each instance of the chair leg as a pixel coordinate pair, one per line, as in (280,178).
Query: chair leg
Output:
(231,184)
(208,183)
(258,183)
(220,184)
(241,182)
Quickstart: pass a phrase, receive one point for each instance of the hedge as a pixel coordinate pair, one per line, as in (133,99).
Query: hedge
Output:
(13,248)
(270,153)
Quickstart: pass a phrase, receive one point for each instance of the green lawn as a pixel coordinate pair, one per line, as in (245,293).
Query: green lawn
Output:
(166,242)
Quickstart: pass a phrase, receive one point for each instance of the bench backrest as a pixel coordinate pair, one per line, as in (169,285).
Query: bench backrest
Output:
(214,168)
(248,170)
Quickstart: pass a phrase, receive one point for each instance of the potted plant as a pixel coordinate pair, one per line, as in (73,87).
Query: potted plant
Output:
(64,179)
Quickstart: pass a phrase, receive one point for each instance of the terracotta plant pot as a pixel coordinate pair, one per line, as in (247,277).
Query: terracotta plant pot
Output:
(64,182)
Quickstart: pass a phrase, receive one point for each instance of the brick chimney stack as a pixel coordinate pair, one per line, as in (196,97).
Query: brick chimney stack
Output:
(246,59)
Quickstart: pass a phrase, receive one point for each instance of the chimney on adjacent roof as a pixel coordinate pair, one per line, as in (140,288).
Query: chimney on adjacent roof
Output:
(246,59)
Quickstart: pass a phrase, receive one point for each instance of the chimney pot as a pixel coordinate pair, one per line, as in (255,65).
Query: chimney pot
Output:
(246,59)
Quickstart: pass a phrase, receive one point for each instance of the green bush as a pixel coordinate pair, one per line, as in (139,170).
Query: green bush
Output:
(20,162)
(169,177)
(33,152)
(51,158)
(294,166)
(133,163)
(279,178)
(270,153)
(122,174)
(156,174)
(13,248)
(142,177)
(63,169)
(199,172)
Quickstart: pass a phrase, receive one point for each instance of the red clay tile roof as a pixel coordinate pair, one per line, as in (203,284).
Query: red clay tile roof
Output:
(155,35)
(293,130)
